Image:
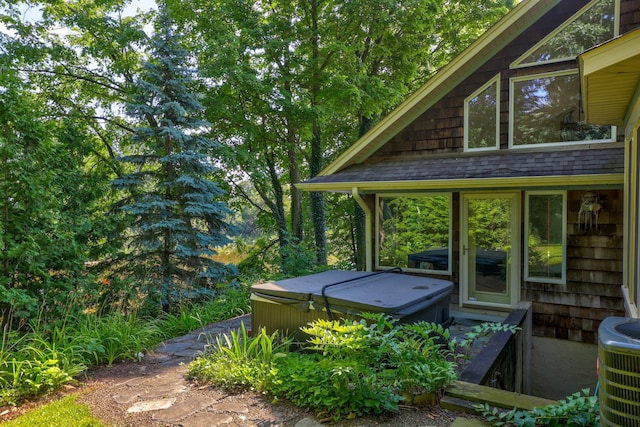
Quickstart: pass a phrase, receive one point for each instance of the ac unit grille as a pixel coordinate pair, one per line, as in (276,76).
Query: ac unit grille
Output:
(619,379)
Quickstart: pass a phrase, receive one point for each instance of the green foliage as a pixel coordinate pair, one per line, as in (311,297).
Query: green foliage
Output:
(578,409)
(341,388)
(295,86)
(266,260)
(44,356)
(116,337)
(64,412)
(347,368)
(241,360)
(45,228)
(411,354)
(231,302)
(481,330)
(49,355)
(32,365)
(410,225)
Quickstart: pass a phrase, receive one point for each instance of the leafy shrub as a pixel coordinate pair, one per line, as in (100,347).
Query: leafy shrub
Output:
(266,259)
(461,346)
(32,366)
(116,337)
(241,360)
(578,409)
(338,387)
(229,302)
(410,354)
(348,368)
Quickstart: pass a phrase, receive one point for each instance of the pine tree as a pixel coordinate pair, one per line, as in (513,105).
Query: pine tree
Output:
(178,217)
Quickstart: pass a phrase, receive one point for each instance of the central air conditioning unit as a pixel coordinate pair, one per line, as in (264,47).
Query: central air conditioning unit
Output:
(619,378)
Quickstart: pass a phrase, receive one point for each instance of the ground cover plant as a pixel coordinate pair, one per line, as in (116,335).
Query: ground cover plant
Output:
(577,410)
(60,413)
(346,368)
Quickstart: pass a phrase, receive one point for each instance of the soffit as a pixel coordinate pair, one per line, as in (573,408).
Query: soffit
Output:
(610,77)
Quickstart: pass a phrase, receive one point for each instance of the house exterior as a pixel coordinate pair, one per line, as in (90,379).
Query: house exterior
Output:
(508,173)
(618,61)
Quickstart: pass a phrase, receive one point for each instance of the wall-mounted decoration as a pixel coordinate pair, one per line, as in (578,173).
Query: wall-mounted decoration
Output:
(589,210)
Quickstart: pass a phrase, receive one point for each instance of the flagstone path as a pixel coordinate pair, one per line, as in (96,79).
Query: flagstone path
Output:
(155,392)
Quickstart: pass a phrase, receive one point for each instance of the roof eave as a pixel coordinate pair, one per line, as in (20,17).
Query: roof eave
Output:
(595,180)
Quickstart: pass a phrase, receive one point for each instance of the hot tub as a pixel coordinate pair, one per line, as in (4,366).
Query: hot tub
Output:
(286,305)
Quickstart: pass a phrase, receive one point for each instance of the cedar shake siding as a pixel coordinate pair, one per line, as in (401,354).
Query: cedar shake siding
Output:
(440,129)
(629,16)
(574,310)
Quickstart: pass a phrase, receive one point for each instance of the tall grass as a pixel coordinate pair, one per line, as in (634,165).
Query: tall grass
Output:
(234,301)
(33,364)
(43,357)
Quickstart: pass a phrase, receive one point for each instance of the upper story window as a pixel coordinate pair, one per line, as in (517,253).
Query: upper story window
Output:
(545,109)
(482,117)
(593,24)
(414,232)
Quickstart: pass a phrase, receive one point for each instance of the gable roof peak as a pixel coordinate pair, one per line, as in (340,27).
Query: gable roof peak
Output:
(499,35)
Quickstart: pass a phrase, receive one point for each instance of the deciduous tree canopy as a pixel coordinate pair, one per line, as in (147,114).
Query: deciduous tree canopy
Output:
(285,88)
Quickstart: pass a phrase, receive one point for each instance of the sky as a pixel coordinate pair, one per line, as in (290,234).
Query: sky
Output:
(31,13)
(143,5)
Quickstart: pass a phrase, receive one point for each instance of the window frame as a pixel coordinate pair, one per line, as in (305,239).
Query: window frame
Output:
(514,276)
(616,30)
(496,80)
(378,265)
(563,278)
(631,273)
(512,96)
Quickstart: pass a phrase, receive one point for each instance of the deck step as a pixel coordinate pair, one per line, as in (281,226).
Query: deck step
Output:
(458,404)
(475,393)
(468,422)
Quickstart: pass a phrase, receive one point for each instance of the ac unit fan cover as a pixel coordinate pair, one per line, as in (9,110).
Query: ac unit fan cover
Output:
(619,358)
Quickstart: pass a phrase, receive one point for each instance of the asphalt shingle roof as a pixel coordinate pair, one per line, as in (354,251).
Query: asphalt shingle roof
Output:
(502,164)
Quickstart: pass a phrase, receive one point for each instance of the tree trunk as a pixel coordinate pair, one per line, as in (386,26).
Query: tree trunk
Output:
(278,208)
(317,199)
(294,178)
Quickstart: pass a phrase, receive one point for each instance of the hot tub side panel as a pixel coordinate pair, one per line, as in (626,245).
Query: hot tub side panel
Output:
(282,316)
(289,315)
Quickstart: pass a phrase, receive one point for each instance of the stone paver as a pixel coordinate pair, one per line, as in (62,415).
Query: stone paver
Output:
(182,409)
(158,393)
(207,420)
(152,405)
(126,396)
(309,422)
